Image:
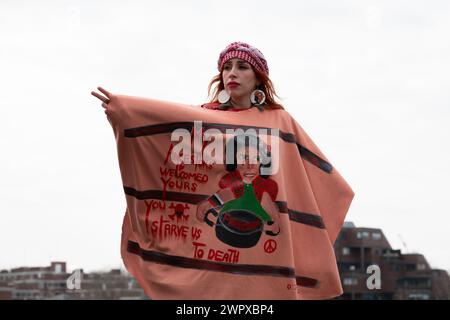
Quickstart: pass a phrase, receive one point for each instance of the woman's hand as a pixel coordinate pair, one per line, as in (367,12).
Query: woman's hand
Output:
(105,99)
(202,208)
(225,195)
(272,209)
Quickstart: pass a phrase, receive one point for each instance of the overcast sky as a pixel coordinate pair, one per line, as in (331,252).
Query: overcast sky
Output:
(368,80)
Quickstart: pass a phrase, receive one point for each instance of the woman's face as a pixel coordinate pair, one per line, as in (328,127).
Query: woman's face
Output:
(248,163)
(240,71)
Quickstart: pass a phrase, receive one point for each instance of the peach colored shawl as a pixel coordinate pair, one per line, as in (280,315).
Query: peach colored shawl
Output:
(173,255)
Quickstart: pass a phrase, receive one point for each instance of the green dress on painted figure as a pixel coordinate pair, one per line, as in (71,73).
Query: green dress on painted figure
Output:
(247,202)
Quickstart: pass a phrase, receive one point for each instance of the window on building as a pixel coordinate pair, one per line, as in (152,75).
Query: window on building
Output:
(363,235)
(419,296)
(369,296)
(376,236)
(421,266)
(350,281)
(58,268)
(410,267)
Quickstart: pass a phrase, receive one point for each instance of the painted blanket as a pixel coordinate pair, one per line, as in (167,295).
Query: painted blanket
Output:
(206,220)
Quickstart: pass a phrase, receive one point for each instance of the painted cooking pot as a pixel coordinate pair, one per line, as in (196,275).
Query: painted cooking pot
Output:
(240,222)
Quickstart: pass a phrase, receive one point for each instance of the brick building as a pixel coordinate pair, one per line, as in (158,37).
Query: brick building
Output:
(403,276)
(32,283)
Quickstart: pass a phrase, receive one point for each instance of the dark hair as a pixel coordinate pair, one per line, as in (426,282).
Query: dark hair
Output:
(230,167)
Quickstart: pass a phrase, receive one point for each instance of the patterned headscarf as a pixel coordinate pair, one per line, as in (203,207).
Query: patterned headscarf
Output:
(245,52)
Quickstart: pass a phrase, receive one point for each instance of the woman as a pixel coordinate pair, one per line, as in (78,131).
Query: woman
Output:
(259,236)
